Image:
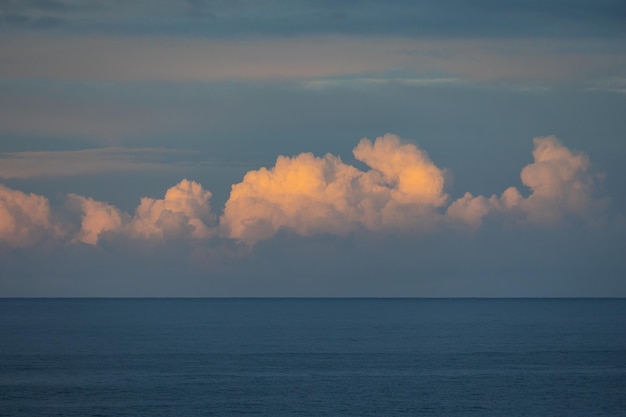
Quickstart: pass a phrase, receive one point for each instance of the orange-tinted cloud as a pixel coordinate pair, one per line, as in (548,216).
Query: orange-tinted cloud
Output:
(25,218)
(402,191)
(561,184)
(97,218)
(183,212)
(561,187)
(312,195)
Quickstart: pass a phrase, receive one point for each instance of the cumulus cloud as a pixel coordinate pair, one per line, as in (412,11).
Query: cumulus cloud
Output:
(561,183)
(312,195)
(97,218)
(183,212)
(402,190)
(25,218)
(410,176)
(561,186)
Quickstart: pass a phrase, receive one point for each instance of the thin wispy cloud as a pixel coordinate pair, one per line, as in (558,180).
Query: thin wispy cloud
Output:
(288,18)
(34,164)
(138,59)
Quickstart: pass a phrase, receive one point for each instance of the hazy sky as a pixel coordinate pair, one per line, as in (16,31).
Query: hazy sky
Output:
(312,148)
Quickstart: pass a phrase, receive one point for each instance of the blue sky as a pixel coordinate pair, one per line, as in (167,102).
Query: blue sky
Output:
(208,148)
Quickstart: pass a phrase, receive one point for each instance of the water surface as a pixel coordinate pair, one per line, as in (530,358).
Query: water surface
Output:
(313,357)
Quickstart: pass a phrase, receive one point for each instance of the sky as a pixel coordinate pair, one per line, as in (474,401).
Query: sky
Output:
(312,148)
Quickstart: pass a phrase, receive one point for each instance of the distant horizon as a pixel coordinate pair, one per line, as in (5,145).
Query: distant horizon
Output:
(311,298)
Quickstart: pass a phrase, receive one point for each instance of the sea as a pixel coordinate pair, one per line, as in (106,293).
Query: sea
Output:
(312,357)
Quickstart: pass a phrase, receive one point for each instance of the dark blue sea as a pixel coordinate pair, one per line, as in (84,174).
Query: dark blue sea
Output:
(313,357)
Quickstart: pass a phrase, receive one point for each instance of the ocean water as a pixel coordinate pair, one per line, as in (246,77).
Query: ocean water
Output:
(313,357)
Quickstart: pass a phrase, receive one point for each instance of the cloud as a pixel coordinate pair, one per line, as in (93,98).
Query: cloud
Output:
(113,113)
(183,212)
(25,218)
(305,58)
(560,182)
(401,192)
(614,84)
(97,218)
(312,195)
(412,177)
(89,161)
(561,185)
(370,81)
(190,60)
(288,18)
